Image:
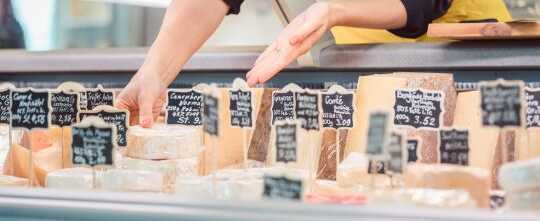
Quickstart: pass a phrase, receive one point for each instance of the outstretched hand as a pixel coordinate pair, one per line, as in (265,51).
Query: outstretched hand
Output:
(295,40)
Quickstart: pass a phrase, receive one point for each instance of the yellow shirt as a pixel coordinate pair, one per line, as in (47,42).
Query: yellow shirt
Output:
(460,10)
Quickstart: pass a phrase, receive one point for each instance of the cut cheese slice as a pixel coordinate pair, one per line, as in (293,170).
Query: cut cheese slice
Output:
(79,178)
(133,181)
(353,171)
(12,181)
(164,142)
(522,176)
(474,180)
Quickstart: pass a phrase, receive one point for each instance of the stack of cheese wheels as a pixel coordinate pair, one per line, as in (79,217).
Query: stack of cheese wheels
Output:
(521,181)
(155,158)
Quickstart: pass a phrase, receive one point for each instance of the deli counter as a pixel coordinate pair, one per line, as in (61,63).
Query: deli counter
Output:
(468,62)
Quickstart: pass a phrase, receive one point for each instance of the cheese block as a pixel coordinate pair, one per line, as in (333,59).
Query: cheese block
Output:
(43,162)
(530,143)
(79,178)
(164,142)
(307,151)
(353,171)
(523,176)
(383,87)
(133,181)
(421,197)
(524,201)
(474,180)
(258,148)
(194,187)
(169,168)
(12,181)
(327,159)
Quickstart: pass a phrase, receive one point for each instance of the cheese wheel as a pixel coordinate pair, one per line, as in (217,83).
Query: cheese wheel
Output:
(475,180)
(79,178)
(133,181)
(12,181)
(163,142)
(169,168)
(521,176)
(421,197)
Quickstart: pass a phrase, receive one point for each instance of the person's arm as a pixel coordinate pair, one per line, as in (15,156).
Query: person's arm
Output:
(402,17)
(186,26)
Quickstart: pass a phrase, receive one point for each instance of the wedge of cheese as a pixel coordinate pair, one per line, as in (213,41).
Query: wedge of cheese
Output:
(12,181)
(327,155)
(474,180)
(164,142)
(43,162)
(307,151)
(79,178)
(133,181)
(353,171)
(523,176)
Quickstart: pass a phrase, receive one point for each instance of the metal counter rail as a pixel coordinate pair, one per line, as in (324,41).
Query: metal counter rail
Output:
(470,62)
(44,204)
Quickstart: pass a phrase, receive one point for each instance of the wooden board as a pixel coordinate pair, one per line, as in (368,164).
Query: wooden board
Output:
(486,31)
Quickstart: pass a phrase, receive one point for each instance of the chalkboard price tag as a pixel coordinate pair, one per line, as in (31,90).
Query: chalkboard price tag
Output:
(454,146)
(240,108)
(65,108)
(377,133)
(418,108)
(337,108)
(282,187)
(377,166)
(184,107)
(286,142)
(502,103)
(5,106)
(395,148)
(412,150)
(282,106)
(211,115)
(92,142)
(30,109)
(533,107)
(117,117)
(307,110)
(97,97)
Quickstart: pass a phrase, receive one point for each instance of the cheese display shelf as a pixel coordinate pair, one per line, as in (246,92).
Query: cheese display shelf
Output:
(426,131)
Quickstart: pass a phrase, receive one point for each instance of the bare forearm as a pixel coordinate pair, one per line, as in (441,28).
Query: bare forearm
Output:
(377,14)
(186,26)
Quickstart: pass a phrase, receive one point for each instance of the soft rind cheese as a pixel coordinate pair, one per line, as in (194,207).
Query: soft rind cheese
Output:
(78,178)
(12,181)
(521,176)
(133,181)
(421,197)
(523,201)
(164,142)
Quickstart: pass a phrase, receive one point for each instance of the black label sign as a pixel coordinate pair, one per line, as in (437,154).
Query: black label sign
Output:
(282,106)
(211,115)
(30,109)
(394,148)
(98,97)
(286,143)
(65,107)
(184,108)
(377,167)
(496,201)
(338,110)
(118,119)
(5,106)
(412,150)
(501,105)
(240,108)
(307,110)
(280,187)
(533,107)
(92,146)
(454,146)
(376,133)
(418,108)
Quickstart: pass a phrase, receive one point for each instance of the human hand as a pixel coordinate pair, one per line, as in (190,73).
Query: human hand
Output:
(143,97)
(295,40)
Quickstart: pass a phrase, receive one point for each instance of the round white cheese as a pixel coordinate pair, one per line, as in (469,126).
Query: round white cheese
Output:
(520,176)
(133,181)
